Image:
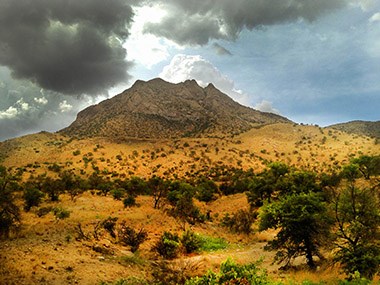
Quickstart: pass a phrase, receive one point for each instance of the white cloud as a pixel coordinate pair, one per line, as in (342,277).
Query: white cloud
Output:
(365,5)
(266,106)
(42,100)
(10,113)
(144,48)
(183,67)
(375,18)
(23,105)
(65,107)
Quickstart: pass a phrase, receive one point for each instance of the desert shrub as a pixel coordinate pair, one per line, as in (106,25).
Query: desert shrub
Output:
(173,273)
(168,245)
(32,197)
(129,201)
(131,237)
(61,213)
(43,211)
(180,198)
(191,241)
(232,273)
(240,222)
(118,193)
(206,190)
(109,225)
(55,167)
(76,152)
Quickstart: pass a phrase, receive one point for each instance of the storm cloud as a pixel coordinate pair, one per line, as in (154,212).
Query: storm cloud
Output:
(67,46)
(197,22)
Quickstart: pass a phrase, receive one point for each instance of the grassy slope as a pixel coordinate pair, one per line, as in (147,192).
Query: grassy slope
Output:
(303,146)
(47,252)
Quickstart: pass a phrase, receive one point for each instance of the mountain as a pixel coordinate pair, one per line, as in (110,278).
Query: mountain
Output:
(158,109)
(366,128)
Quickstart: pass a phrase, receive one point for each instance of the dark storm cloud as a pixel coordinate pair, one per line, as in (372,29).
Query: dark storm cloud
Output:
(196,22)
(68,46)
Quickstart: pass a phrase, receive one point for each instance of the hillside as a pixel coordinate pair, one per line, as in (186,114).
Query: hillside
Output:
(302,146)
(158,109)
(365,128)
(48,250)
(156,130)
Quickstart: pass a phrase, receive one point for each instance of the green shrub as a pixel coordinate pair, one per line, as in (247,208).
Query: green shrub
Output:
(118,193)
(32,197)
(168,245)
(44,211)
(191,241)
(240,222)
(129,201)
(131,237)
(61,213)
(231,273)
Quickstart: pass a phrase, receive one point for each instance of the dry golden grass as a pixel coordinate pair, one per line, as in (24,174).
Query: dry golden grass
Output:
(307,147)
(46,251)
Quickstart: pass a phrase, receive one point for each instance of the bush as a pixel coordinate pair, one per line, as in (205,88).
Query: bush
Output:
(168,245)
(109,225)
(206,190)
(131,237)
(173,273)
(232,273)
(44,211)
(32,197)
(129,201)
(61,213)
(118,193)
(191,241)
(240,222)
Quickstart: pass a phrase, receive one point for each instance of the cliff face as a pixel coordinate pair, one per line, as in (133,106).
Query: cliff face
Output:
(158,109)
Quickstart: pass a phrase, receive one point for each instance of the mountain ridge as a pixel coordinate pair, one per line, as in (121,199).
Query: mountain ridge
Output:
(158,109)
(360,127)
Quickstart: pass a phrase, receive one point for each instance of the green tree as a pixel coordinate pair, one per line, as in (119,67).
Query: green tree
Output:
(168,245)
(368,165)
(32,197)
(180,197)
(280,180)
(53,188)
(206,190)
(9,211)
(357,217)
(136,186)
(304,225)
(159,189)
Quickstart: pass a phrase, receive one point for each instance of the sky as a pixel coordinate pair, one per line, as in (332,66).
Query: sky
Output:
(312,61)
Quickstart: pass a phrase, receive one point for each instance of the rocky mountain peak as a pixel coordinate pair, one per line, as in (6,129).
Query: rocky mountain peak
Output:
(159,109)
